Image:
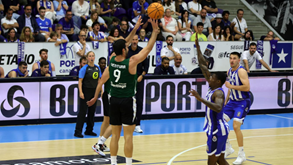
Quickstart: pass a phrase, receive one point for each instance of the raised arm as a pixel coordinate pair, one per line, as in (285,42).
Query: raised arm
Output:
(128,39)
(102,81)
(201,61)
(138,58)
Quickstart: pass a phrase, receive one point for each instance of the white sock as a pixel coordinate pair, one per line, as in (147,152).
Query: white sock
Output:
(99,139)
(228,145)
(113,160)
(128,161)
(241,149)
(102,140)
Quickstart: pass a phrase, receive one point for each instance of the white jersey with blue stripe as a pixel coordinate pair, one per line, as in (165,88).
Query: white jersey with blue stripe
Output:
(214,122)
(234,79)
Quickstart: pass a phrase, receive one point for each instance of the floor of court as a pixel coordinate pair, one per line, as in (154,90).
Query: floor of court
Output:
(268,140)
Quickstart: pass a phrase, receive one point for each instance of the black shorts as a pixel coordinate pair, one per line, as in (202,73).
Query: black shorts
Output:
(122,111)
(105,99)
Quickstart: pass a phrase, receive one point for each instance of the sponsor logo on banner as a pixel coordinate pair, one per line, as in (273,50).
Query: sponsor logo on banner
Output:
(67,61)
(18,102)
(282,58)
(233,48)
(10,59)
(185,50)
(80,160)
(21,101)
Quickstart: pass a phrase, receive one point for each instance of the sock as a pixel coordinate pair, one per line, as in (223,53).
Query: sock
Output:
(241,149)
(102,140)
(228,145)
(113,160)
(99,139)
(128,161)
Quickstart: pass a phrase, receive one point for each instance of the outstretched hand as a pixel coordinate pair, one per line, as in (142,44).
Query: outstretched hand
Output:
(138,23)
(155,25)
(195,94)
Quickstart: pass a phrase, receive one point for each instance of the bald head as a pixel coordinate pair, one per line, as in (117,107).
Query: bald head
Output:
(178,60)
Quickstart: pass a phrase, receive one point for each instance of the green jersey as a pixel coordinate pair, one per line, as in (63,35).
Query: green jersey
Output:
(123,84)
(107,86)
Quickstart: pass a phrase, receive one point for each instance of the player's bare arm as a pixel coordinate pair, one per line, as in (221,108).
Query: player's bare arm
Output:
(133,31)
(217,97)
(202,62)
(102,81)
(244,79)
(138,58)
(246,65)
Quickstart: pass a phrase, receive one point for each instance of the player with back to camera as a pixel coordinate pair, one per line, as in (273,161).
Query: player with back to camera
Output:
(216,128)
(122,74)
(237,103)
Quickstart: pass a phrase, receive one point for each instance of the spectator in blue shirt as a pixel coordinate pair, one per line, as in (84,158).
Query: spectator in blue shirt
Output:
(164,68)
(44,23)
(21,71)
(43,71)
(75,71)
(139,9)
(68,26)
(60,7)
(225,19)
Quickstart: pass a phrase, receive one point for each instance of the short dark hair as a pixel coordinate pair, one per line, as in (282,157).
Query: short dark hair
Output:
(225,12)
(44,62)
(81,59)
(236,53)
(252,44)
(58,25)
(118,46)
(42,8)
(239,10)
(221,76)
(169,37)
(95,23)
(22,63)
(102,58)
(165,58)
(68,11)
(115,20)
(45,50)
(9,10)
(27,6)
(199,24)
(83,26)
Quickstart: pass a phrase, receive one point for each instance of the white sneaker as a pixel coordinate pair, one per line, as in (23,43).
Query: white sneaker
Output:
(138,129)
(240,159)
(98,148)
(229,151)
(106,149)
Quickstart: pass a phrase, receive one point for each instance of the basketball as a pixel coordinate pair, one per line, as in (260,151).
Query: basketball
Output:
(155,11)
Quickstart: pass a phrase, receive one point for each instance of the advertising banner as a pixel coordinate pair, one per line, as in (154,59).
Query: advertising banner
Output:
(19,102)
(61,100)
(166,96)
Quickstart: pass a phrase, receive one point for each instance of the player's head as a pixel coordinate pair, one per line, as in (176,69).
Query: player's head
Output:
(43,54)
(178,60)
(217,79)
(102,62)
(120,47)
(22,66)
(234,59)
(82,61)
(90,56)
(134,41)
(44,67)
(165,62)
(169,40)
(252,48)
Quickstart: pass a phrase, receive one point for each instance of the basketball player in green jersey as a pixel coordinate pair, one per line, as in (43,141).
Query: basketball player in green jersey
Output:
(122,74)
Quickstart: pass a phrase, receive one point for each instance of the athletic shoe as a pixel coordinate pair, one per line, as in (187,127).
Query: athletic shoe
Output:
(229,151)
(98,148)
(138,129)
(240,159)
(106,149)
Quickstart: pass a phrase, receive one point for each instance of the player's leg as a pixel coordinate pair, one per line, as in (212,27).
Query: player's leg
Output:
(212,149)
(241,111)
(116,130)
(222,160)
(106,120)
(139,103)
(228,115)
(222,147)
(128,121)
